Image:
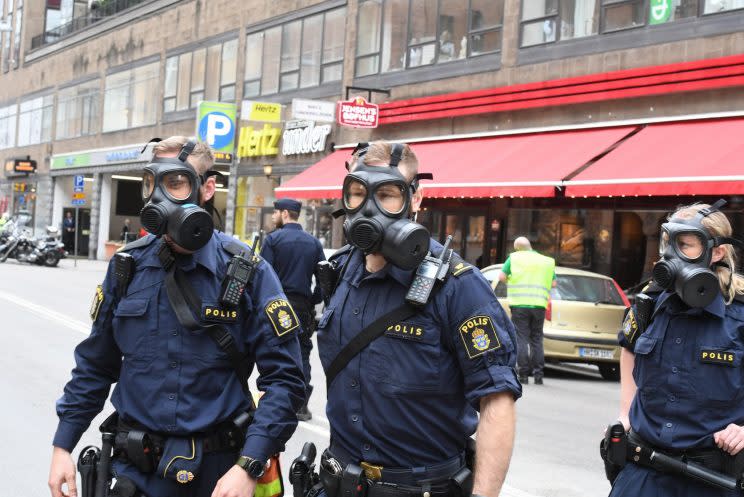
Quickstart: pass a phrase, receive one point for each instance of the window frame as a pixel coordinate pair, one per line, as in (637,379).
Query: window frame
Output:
(131,83)
(33,114)
(280,70)
(79,100)
(437,42)
(11,117)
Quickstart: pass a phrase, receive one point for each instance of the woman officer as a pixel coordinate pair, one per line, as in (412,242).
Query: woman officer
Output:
(682,375)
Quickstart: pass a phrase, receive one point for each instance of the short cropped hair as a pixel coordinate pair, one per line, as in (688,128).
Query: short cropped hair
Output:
(201,158)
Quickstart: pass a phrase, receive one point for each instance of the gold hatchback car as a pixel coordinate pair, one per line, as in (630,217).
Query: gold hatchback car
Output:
(584,315)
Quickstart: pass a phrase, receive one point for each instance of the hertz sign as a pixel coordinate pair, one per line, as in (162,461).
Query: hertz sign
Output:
(19,166)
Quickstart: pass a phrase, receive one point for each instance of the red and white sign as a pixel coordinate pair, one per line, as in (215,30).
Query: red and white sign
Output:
(357,113)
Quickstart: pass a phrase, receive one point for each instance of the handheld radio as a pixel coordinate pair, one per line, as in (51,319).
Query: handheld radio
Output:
(429,271)
(238,275)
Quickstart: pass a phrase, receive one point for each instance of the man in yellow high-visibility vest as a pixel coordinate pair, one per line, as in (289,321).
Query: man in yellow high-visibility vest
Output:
(529,277)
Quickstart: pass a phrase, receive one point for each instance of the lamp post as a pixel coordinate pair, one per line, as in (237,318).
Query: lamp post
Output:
(267,169)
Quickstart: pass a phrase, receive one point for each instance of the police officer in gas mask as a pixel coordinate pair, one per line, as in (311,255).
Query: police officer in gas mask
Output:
(413,343)
(681,367)
(179,322)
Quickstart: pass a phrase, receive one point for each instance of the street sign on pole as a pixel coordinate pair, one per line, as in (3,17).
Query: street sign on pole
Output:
(79,181)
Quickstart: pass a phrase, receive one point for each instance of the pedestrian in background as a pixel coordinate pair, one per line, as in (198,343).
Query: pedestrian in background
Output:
(294,253)
(529,277)
(125,231)
(68,232)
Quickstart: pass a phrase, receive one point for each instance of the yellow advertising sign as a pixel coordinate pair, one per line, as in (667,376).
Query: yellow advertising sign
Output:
(258,142)
(260,111)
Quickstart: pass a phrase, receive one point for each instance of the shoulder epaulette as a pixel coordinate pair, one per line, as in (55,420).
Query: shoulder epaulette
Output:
(458,265)
(139,243)
(235,248)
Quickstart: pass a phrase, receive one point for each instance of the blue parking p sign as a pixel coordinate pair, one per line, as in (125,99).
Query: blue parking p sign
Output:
(215,125)
(79,181)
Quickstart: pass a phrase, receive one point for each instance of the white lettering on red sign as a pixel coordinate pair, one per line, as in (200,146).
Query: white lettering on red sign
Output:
(358,113)
(304,137)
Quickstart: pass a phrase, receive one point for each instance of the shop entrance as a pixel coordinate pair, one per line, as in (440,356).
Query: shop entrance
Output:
(628,249)
(82,231)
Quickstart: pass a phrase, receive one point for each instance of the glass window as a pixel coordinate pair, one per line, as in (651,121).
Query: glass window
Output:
(253,60)
(713,6)
(623,14)
(171,84)
(660,12)
(35,120)
(8,126)
(310,58)
(229,63)
(578,18)
(17,41)
(415,33)
(394,35)
(198,68)
(299,54)
(184,85)
(272,46)
(78,110)
(6,45)
(290,61)
(130,98)
(214,56)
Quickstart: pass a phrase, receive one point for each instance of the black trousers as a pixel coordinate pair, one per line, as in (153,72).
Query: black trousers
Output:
(529,323)
(306,314)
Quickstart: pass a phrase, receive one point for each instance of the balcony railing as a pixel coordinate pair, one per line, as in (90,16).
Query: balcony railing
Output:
(99,11)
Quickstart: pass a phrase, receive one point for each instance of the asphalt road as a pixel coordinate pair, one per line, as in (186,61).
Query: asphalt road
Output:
(45,314)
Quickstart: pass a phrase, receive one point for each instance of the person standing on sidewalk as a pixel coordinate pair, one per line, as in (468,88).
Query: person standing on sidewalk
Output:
(529,277)
(294,253)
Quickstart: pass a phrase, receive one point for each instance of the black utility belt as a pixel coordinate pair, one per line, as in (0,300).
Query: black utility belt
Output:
(144,449)
(639,451)
(449,479)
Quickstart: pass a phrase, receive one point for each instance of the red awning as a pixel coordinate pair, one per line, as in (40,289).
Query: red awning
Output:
(684,158)
(526,165)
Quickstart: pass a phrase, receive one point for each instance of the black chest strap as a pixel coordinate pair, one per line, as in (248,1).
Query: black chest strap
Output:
(184,299)
(365,337)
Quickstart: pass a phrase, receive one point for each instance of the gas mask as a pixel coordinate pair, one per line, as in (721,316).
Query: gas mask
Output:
(171,190)
(686,249)
(377,204)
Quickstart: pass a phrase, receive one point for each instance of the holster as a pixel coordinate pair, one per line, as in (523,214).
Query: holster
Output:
(613,450)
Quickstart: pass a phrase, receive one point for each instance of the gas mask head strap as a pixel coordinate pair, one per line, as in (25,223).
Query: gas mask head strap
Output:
(718,240)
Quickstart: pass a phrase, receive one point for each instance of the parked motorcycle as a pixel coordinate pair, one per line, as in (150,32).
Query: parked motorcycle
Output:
(17,244)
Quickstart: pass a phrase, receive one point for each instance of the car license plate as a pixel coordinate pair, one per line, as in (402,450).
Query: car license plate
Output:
(596,353)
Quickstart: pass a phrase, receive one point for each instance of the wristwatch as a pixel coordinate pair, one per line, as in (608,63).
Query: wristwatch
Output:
(253,467)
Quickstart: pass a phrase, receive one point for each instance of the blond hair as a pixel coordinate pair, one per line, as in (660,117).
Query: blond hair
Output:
(201,158)
(717,224)
(379,152)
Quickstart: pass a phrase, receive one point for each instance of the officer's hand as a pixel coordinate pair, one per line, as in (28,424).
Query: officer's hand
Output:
(730,439)
(62,471)
(235,483)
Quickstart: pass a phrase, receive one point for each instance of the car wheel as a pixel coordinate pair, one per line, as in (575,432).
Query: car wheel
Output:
(610,372)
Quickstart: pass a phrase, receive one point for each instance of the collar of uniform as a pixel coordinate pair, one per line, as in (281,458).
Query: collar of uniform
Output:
(667,300)
(402,276)
(292,226)
(205,256)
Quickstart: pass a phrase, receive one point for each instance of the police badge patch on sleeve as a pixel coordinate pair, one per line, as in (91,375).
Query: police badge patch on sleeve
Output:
(282,316)
(630,326)
(479,336)
(95,306)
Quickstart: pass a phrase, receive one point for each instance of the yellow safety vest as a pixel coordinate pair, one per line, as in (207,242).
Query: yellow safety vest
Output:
(530,280)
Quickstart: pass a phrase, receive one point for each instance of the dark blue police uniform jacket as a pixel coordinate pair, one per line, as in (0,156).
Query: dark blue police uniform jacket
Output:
(293,253)
(174,381)
(409,399)
(689,373)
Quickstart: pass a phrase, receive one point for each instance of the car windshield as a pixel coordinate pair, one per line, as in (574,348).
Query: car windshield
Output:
(586,289)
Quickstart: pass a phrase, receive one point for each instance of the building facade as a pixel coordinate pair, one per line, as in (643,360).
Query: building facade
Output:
(84,85)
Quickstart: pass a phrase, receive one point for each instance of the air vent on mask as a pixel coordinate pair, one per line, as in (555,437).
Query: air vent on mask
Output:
(663,274)
(153,220)
(365,235)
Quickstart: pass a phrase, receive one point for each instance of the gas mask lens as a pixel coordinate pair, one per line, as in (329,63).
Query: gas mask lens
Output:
(354,194)
(177,185)
(148,184)
(689,245)
(391,198)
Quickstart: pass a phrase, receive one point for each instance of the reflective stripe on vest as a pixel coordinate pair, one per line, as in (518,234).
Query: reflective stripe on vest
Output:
(530,280)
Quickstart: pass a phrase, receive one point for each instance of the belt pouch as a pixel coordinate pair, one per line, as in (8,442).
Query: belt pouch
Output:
(181,459)
(140,451)
(463,482)
(352,482)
